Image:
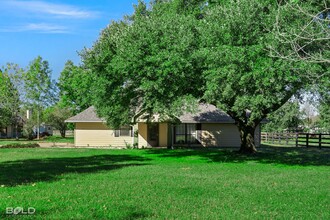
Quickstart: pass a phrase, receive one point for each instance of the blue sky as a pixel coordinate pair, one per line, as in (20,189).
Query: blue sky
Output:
(54,29)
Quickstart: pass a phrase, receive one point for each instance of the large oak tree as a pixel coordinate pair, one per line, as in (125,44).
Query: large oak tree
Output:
(174,52)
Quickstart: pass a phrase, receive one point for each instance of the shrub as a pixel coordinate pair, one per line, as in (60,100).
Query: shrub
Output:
(19,145)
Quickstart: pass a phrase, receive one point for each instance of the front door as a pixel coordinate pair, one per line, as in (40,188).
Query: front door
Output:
(153,134)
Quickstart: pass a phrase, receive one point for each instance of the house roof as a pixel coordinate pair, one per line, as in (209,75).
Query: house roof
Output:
(206,114)
(88,115)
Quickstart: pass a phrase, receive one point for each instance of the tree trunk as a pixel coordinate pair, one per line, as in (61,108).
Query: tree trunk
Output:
(247,138)
(62,131)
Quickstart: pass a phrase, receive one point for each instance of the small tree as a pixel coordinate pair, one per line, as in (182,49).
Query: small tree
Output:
(40,90)
(56,116)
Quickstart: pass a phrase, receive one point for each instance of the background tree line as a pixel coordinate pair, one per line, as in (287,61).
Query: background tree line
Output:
(49,101)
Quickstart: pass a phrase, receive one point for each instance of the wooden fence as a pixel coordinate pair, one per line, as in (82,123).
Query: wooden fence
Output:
(313,140)
(296,139)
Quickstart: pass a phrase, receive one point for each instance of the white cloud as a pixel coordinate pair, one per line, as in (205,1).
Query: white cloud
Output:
(45,28)
(59,10)
(39,28)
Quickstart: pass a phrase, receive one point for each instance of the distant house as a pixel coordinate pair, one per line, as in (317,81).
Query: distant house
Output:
(44,129)
(9,132)
(13,131)
(209,127)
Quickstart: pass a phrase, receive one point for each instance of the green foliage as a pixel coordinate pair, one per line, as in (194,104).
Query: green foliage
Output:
(38,84)
(288,117)
(240,73)
(143,67)
(40,90)
(176,52)
(75,85)
(9,97)
(324,111)
(56,116)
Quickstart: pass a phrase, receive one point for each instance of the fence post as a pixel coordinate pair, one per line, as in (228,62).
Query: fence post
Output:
(307,139)
(320,140)
(279,137)
(286,138)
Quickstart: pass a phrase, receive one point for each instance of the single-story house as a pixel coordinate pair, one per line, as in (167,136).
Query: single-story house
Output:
(209,127)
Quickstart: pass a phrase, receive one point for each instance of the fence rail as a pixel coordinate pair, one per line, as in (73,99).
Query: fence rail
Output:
(313,140)
(296,139)
(283,138)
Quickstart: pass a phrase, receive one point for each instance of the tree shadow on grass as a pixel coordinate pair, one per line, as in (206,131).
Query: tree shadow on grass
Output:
(135,213)
(20,172)
(267,155)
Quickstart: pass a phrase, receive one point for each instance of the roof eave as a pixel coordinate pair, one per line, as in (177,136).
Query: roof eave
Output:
(209,122)
(77,121)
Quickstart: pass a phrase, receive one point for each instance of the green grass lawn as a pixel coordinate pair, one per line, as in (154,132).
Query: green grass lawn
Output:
(276,183)
(50,139)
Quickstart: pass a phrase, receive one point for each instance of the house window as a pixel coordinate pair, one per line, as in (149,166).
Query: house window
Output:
(124,132)
(186,133)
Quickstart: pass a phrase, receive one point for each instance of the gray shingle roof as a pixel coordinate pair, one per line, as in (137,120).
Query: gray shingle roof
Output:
(206,114)
(89,115)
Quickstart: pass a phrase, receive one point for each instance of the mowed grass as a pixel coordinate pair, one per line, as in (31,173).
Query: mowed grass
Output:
(276,183)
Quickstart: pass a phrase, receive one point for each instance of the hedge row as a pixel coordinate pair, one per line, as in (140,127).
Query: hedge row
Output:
(19,145)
